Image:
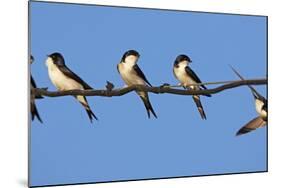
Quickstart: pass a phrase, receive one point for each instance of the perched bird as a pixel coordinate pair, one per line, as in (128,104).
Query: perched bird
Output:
(64,79)
(186,76)
(33,108)
(132,75)
(261,108)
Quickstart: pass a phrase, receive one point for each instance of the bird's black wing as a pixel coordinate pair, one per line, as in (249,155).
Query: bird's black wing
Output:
(140,74)
(264,107)
(192,74)
(253,90)
(33,84)
(254,124)
(66,71)
(118,68)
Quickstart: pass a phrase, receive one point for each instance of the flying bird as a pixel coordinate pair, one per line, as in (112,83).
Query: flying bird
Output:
(261,108)
(64,79)
(186,76)
(132,75)
(33,108)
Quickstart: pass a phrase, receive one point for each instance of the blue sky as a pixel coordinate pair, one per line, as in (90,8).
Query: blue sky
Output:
(124,144)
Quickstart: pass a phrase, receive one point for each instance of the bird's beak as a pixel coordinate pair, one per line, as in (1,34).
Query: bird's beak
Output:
(48,55)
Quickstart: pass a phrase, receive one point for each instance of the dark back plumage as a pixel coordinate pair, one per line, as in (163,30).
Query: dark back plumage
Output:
(141,74)
(59,61)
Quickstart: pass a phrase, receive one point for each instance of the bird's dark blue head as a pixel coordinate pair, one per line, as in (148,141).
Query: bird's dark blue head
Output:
(130,52)
(181,58)
(57,58)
